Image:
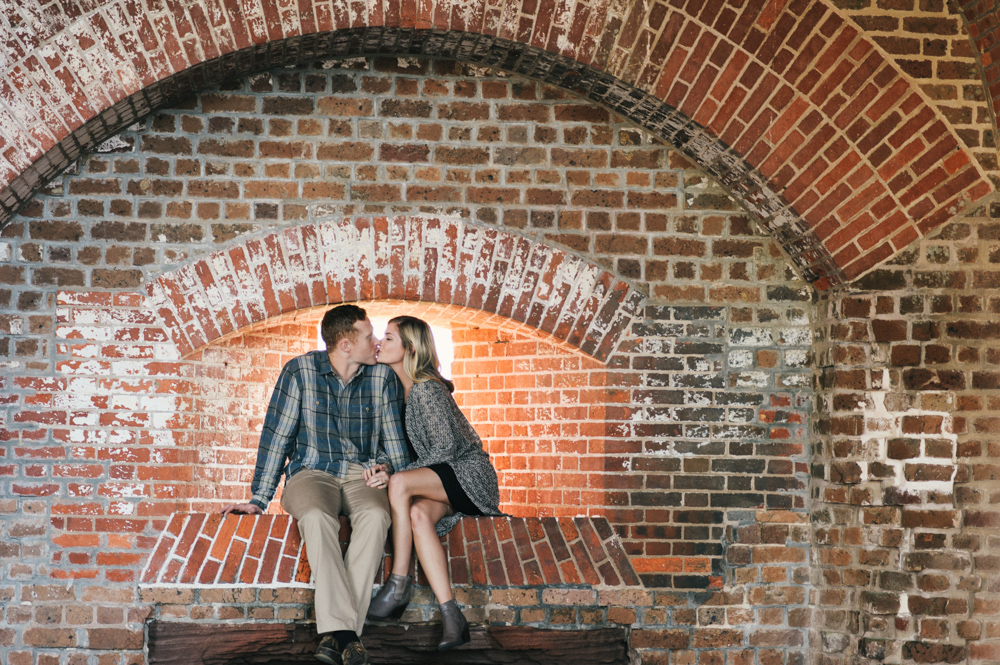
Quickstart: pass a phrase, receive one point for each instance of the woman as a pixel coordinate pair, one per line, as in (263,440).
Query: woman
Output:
(452,477)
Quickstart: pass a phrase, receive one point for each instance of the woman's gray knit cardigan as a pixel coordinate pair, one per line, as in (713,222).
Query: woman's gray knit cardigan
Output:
(439,432)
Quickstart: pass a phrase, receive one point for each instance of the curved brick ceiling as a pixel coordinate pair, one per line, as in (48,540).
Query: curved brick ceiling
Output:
(929,41)
(834,150)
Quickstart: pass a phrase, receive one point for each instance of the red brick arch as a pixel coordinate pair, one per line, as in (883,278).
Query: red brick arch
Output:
(803,119)
(396,258)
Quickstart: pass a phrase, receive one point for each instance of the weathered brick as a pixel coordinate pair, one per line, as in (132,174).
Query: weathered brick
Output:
(344,106)
(222,148)
(409,153)
(461,156)
(50,637)
(348,151)
(57,277)
(520,156)
(287,105)
(579,158)
(119,231)
(889,331)
(402,108)
(114,638)
(227,103)
(116,279)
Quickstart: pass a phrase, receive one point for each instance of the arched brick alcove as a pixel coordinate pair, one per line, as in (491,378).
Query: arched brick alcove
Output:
(802,118)
(540,406)
(190,381)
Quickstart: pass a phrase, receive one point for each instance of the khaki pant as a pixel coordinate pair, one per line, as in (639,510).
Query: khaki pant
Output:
(343,583)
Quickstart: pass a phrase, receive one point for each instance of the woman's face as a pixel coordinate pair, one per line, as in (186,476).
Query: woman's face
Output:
(391,351)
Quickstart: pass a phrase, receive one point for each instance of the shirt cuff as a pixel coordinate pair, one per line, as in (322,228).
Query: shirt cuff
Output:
(260,502)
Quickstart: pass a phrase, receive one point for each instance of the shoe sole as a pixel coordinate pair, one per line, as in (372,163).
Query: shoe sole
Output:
(395,614)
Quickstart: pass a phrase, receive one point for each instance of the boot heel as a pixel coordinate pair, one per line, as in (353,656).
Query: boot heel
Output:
(398,612)
(466,638)
(454,627)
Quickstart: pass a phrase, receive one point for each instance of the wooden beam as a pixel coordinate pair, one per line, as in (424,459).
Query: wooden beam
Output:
(177,643)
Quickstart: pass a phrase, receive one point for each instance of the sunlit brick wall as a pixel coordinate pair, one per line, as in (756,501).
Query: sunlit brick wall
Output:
(541,411)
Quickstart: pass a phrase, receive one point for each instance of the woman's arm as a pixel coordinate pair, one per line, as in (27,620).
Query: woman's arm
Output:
(430,404)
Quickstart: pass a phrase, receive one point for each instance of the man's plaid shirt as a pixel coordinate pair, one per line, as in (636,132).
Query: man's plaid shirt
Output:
(316,421)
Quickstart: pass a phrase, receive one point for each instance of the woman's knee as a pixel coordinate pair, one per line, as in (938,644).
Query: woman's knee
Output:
(399,489)
(420,517)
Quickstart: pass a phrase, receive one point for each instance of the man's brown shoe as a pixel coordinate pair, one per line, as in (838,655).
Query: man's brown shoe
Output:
(354,654)
(329,651)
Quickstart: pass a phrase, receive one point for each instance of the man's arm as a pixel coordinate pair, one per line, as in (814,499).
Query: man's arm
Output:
(392,448)
(277,438)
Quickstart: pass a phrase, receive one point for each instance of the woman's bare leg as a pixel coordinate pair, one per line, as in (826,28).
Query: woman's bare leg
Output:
(424,514)
(404,487)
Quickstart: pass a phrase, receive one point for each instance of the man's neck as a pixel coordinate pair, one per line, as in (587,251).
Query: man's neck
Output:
(345,368)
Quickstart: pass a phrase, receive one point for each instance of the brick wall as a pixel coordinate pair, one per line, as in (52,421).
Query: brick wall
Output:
(684,422)
(541,413)
(904,461)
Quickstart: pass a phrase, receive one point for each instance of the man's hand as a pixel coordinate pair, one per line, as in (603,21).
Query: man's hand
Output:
(377,476)
(243,509)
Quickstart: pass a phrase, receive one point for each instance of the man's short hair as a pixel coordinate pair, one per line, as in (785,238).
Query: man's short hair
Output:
(339,322)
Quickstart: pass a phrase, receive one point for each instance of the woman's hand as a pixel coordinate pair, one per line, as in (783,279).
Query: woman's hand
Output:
(377,476)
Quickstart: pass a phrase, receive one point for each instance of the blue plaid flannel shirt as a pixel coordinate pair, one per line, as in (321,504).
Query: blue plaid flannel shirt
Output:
(316,421)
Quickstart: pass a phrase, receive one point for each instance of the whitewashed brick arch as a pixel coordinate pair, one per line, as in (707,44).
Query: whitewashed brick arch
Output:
(410,258)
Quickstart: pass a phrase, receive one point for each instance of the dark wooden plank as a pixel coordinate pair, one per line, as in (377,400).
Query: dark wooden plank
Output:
(177,643)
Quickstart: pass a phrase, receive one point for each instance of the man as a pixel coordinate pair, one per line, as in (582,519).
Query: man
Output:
(333,426)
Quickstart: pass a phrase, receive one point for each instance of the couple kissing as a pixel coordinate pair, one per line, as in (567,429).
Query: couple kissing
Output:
(371,432)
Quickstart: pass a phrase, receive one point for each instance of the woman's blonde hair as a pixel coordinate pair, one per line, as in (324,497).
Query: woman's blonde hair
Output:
(419,353)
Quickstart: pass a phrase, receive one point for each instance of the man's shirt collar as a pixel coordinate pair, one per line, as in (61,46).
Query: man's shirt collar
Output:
(324,366)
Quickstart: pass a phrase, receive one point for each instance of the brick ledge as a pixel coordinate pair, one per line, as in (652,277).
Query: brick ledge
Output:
(265,551)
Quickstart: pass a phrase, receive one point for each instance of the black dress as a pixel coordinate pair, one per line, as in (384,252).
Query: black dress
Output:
(457,497)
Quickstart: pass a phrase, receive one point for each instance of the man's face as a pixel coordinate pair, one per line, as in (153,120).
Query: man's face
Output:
(363,348)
